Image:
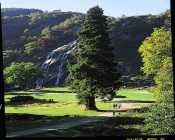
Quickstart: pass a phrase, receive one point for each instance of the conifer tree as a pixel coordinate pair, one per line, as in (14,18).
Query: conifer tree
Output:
(92,70)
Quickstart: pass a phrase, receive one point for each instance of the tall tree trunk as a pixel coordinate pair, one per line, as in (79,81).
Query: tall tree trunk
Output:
(90,103)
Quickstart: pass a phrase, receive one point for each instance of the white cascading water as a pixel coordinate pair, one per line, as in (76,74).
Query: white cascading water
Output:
(56,61)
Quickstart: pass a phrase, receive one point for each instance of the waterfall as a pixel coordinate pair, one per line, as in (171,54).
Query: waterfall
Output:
(55,64)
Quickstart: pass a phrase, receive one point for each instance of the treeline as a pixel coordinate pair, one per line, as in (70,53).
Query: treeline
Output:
(156,52)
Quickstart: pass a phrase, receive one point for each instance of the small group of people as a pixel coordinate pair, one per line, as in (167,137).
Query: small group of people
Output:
(51,100)
(115,106)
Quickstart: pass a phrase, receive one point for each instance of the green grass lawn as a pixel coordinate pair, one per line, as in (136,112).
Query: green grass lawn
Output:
(66,108)
(136,94)
(66,102)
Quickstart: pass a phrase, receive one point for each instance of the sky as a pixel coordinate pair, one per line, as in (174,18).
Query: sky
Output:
(115,8)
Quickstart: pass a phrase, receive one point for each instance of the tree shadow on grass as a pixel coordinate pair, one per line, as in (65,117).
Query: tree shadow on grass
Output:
(123,110)
(134,101)
(16,122)
(37,92)
(107,126)
(34,101)
(93,131)
(120,96)
(52,91)
(25,116)
(141,110)
(107,131)
(110,127)
(130,101)
(20,93)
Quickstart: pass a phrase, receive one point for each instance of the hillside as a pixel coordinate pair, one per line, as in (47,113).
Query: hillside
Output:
(31,35)
(18,11)
(128,34)
(24,30)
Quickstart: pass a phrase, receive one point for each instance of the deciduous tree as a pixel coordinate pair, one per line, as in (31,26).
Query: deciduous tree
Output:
(22,75)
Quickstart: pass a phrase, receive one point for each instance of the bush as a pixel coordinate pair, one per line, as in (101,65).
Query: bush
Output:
(22,75)
(160,119)
(19,99)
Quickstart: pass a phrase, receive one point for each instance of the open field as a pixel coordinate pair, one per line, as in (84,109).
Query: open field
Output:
(136,94)
(65,109)
(66,102)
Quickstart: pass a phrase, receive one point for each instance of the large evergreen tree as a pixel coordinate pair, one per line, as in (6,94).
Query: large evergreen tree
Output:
(93,70)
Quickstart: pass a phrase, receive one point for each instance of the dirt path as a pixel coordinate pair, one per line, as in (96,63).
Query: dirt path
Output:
(65,125)
(70,124)
(125,107)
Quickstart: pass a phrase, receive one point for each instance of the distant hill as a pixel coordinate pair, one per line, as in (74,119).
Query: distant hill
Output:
(31,34)
(128,34)
(18,11)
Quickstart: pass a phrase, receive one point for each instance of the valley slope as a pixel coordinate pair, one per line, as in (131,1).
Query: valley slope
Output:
(32,35)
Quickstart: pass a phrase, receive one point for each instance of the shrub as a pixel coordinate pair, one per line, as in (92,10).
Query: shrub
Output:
(160,119)
(22,75)
(19,99)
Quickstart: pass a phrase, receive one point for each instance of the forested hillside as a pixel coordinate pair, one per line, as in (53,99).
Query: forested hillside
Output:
(29,35)
(127,35)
